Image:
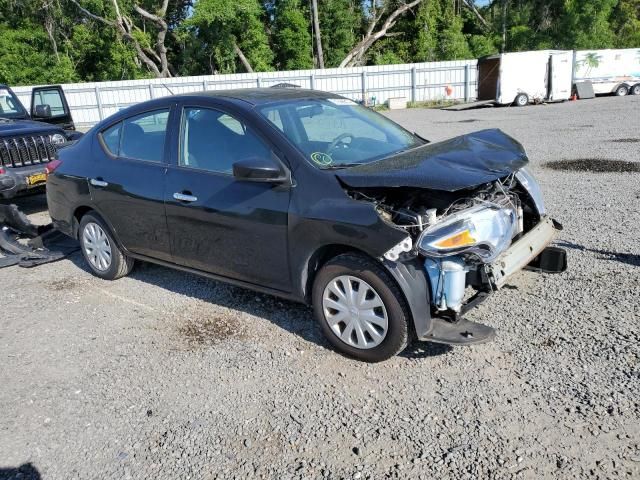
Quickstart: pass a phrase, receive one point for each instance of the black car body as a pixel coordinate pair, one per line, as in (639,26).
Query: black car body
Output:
(29,141)
(290,215)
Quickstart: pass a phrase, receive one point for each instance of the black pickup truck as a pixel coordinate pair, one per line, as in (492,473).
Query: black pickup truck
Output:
(29,140)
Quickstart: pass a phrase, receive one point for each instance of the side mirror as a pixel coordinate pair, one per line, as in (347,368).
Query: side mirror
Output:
(255,169)
(43,111)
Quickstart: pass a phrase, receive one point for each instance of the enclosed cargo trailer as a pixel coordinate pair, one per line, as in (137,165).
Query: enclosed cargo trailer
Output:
(609,71)
(520,78)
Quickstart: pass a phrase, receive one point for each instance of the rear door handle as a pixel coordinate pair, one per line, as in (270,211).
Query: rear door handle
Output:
(183,197)
(97,182)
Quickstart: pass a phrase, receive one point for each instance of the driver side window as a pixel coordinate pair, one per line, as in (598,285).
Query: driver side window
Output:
(323,127)
(213,140)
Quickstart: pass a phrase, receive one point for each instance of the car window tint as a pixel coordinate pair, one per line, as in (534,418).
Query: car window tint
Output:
(111,138)
(213,140)
(52,98)
(322,126)
(143,136)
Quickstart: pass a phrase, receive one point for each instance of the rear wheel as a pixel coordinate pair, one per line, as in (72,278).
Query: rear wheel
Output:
(621,90)
(360,309)
(105,259)
(521,100)
(635,90)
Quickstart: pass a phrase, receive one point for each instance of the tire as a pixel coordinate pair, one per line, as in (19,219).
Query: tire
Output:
(635,90)
(521,100)
(379,288)
(621,90)
(95,241)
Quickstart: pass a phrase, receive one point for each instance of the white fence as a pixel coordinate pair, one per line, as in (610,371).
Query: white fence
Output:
(91,102)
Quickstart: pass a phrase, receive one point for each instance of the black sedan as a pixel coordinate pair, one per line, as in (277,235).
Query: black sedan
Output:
(309,196)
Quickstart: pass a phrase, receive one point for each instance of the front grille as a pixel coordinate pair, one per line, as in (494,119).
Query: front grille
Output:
(25,151)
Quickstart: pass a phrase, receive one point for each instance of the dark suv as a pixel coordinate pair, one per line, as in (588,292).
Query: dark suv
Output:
(309,196)
(29,140)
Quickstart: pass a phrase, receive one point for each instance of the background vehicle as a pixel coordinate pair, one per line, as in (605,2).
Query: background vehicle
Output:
(522,77)
(27,146)
(609,71)
(309,196)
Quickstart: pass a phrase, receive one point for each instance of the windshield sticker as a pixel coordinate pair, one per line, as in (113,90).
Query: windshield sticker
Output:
(341,101)
(322,158)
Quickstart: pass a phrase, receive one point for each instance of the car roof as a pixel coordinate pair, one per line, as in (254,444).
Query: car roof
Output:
(259,96)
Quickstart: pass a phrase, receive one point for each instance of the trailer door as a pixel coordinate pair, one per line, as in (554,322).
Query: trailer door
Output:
(561,72)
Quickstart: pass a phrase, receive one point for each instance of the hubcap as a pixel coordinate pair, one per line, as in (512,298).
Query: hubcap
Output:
(355,312)
(96,246)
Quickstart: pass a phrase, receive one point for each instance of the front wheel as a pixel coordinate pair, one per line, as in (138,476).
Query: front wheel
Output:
(360,309)
(102,254)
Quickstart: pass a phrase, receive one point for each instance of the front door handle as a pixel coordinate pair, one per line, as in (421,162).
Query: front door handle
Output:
(183,197)
(97,182)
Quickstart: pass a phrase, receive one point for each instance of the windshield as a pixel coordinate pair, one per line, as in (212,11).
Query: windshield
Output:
(10,106)
(336,132)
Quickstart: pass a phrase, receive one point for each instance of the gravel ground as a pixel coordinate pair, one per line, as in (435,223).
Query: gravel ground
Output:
(167,375)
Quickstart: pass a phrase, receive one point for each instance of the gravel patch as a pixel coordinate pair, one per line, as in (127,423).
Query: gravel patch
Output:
(167,375)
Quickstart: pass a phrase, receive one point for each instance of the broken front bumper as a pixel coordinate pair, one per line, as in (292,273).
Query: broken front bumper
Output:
(526,250)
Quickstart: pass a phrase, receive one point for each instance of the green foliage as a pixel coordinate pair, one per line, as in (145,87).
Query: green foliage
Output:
(340,22)
(44,41)
(217,25)
(292,35)
(102,57)
(26,57)
(626,23)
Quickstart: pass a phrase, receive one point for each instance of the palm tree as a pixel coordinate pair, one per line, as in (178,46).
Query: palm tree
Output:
(591,60)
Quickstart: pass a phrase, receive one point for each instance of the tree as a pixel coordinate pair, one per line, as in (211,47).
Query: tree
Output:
(341,21)
(626,23)
(317,34)
(230,34)
(373,33)
(586,24)
(291,36)
(154,57)
(26,57)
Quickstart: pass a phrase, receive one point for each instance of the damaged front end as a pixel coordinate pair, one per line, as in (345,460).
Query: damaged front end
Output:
(469,240)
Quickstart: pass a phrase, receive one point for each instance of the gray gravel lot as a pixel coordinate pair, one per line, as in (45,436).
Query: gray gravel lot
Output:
(167,375)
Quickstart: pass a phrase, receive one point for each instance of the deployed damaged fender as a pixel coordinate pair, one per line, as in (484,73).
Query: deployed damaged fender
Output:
(461,162)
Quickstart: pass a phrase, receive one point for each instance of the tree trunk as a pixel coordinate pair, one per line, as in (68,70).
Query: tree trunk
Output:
(316,30)
(155,60)
(243,59)
(357,53)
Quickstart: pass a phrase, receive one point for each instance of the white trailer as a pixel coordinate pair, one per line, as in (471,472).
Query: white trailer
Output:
(522,77)
(609,71)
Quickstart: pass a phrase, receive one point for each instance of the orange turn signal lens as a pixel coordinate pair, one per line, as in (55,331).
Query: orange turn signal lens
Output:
(462,239)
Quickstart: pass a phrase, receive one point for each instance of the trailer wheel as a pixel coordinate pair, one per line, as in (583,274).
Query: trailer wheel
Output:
(621,90)
(635,90)
(521,100)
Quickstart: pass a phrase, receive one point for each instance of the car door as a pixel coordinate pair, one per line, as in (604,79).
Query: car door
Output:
(128,181)
(49,104)
(218,224)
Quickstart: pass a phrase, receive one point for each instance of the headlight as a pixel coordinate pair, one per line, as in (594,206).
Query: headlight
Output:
(485,231)
(531,186)
(57,139)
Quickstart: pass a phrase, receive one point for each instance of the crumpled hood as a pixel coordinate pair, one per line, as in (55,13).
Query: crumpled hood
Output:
(9,127)
(460,162)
